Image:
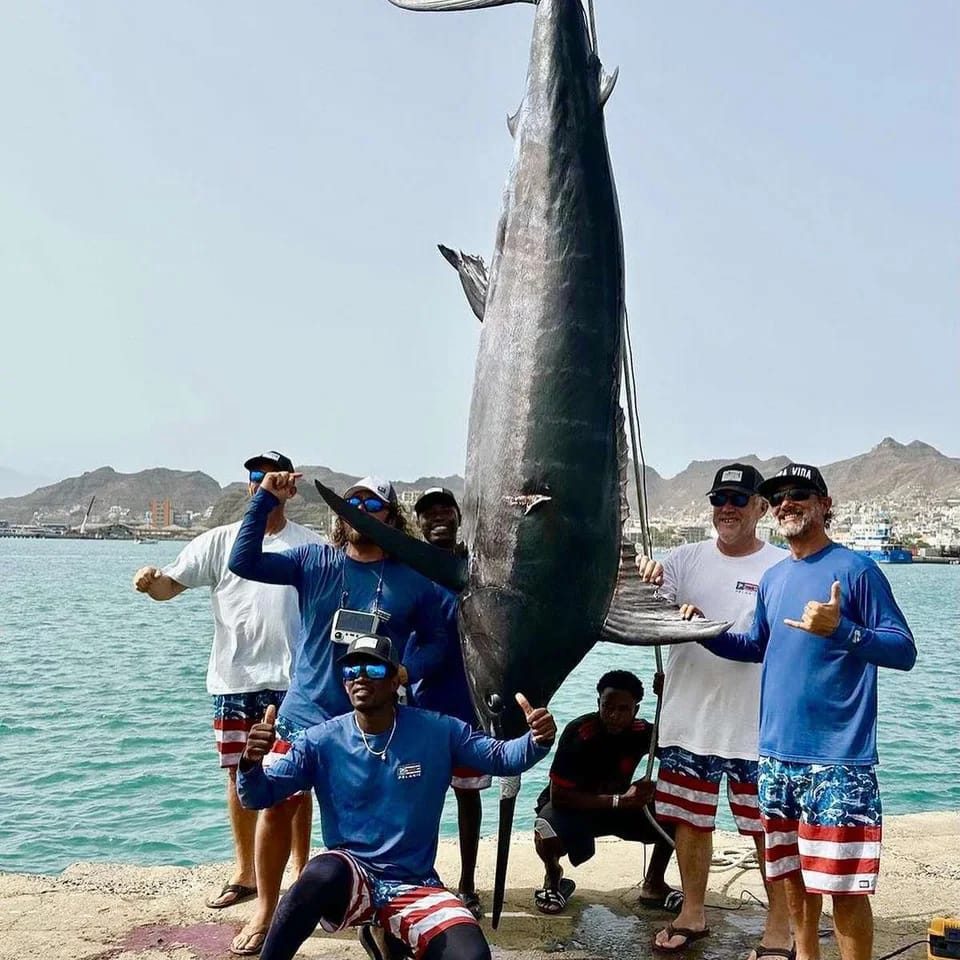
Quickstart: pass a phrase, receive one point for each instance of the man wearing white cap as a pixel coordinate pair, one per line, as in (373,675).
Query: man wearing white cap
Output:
(349,586)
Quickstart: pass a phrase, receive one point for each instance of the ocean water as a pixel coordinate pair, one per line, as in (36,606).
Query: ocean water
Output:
(106,748)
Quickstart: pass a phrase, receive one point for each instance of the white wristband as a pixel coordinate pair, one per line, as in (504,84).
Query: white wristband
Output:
(615,799)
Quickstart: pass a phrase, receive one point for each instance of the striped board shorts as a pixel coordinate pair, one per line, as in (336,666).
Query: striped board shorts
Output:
(466,778)
(823,821)
(233,716)
(688,790)
(414,914)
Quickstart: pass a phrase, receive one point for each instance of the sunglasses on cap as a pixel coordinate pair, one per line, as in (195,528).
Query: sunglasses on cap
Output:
(370,504)
(373,671)
(799,494)
(256,476)
(722,497)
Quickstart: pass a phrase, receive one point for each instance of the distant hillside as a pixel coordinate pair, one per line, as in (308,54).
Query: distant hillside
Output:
(891,469)
(185,490)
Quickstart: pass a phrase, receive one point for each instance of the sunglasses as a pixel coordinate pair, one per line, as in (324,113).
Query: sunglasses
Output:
(721,499)
(798,495)
(256,476)
(370,504)
(373,671)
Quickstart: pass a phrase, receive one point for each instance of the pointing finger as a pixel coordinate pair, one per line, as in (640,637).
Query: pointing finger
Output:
(835,593)
(524,704)
(270,715)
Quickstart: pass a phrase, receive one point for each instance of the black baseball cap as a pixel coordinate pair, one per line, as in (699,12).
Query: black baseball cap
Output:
(740,477)
(801,475)
(436,495)
(271,460)
(372,647)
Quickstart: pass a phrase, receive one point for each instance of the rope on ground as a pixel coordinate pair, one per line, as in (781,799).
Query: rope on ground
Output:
(734,858)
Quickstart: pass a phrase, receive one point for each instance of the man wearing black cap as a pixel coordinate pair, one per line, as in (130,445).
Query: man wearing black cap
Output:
(380,774)
(442,687)
(708,727)
(255,627)
(826,619)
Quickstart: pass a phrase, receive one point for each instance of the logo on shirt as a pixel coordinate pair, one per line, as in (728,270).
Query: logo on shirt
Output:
(408,771)
(744,587)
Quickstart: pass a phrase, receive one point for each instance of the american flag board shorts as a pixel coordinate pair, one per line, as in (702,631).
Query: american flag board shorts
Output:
(823,821)
(233,716)
(688,790)
(412,913)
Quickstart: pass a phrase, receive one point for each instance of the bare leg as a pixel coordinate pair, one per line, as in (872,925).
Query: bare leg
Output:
(243,824)
(302,824)
(776,930)
(654,882)
(805,910)
(853,923)
(694,852)
(550,850)
(274,838)
(469,813)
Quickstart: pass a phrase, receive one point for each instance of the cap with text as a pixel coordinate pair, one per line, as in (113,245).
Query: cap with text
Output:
(740,477)
(271,460)
(376,485)
(798,475)
(436,495)
(372,647)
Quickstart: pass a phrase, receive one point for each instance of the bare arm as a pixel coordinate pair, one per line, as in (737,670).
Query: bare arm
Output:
(157,585)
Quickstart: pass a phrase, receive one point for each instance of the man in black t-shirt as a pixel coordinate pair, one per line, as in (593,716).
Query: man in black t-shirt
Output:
(591,795)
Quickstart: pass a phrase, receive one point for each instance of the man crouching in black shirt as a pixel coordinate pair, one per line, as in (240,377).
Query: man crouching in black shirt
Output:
(591,795)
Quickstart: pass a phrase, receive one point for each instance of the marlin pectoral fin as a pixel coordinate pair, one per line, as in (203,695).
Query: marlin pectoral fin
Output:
(607,83)
(442,566)
(512,121)
(473,277)
(639,616)
(509,788)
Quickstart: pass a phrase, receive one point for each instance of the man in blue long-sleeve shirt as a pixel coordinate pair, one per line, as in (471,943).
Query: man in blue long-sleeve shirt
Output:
(353,574)
(380,775)
(825,620)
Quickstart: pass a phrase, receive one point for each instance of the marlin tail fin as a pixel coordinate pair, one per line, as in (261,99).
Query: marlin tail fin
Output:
(473,277)
(453,4)
(442,566)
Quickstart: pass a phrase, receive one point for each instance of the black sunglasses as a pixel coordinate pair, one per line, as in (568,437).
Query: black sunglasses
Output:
(721,498)
(798,494)
(370,504)
(373,671)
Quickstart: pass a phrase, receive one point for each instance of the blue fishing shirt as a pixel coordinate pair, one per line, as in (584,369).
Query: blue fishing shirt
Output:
(385,812)
(818,695)
(442,683)
(327,579)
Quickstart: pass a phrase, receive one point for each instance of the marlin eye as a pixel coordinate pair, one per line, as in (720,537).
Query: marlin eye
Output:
(495,703)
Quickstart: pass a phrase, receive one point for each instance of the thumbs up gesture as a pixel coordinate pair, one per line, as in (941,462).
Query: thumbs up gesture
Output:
(261,737)
(539,720)
(820,618)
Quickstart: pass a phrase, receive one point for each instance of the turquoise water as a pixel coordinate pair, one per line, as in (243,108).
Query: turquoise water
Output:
(106,750)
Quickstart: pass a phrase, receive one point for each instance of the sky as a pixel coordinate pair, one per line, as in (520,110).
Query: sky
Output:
(218,227)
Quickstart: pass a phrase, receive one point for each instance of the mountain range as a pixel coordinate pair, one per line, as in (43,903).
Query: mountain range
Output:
(892,470)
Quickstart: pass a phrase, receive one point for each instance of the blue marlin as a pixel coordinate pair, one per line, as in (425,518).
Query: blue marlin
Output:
(542,579)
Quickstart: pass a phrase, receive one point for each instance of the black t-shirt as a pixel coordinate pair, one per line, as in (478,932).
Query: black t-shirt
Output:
(593,761)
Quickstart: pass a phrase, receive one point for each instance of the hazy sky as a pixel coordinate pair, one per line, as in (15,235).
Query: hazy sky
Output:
(218,226)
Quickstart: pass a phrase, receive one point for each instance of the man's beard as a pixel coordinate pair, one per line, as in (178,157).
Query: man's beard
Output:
(355,537)
(796,525)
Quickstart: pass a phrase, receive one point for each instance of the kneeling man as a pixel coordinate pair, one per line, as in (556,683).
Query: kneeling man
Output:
(590,795)
(380,774)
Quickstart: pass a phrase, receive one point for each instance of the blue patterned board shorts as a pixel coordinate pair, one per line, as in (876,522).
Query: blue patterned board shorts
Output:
(233,716)
(688,790)
(286,733)
(823,821)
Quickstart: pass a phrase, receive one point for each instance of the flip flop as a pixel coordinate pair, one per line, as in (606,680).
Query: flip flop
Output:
(690,936)
(553,901)
(761,951)
(672,901)
(253,945)
(235,893)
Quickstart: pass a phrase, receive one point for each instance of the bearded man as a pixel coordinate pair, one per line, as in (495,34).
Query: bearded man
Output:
(825,621)
(351,581)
